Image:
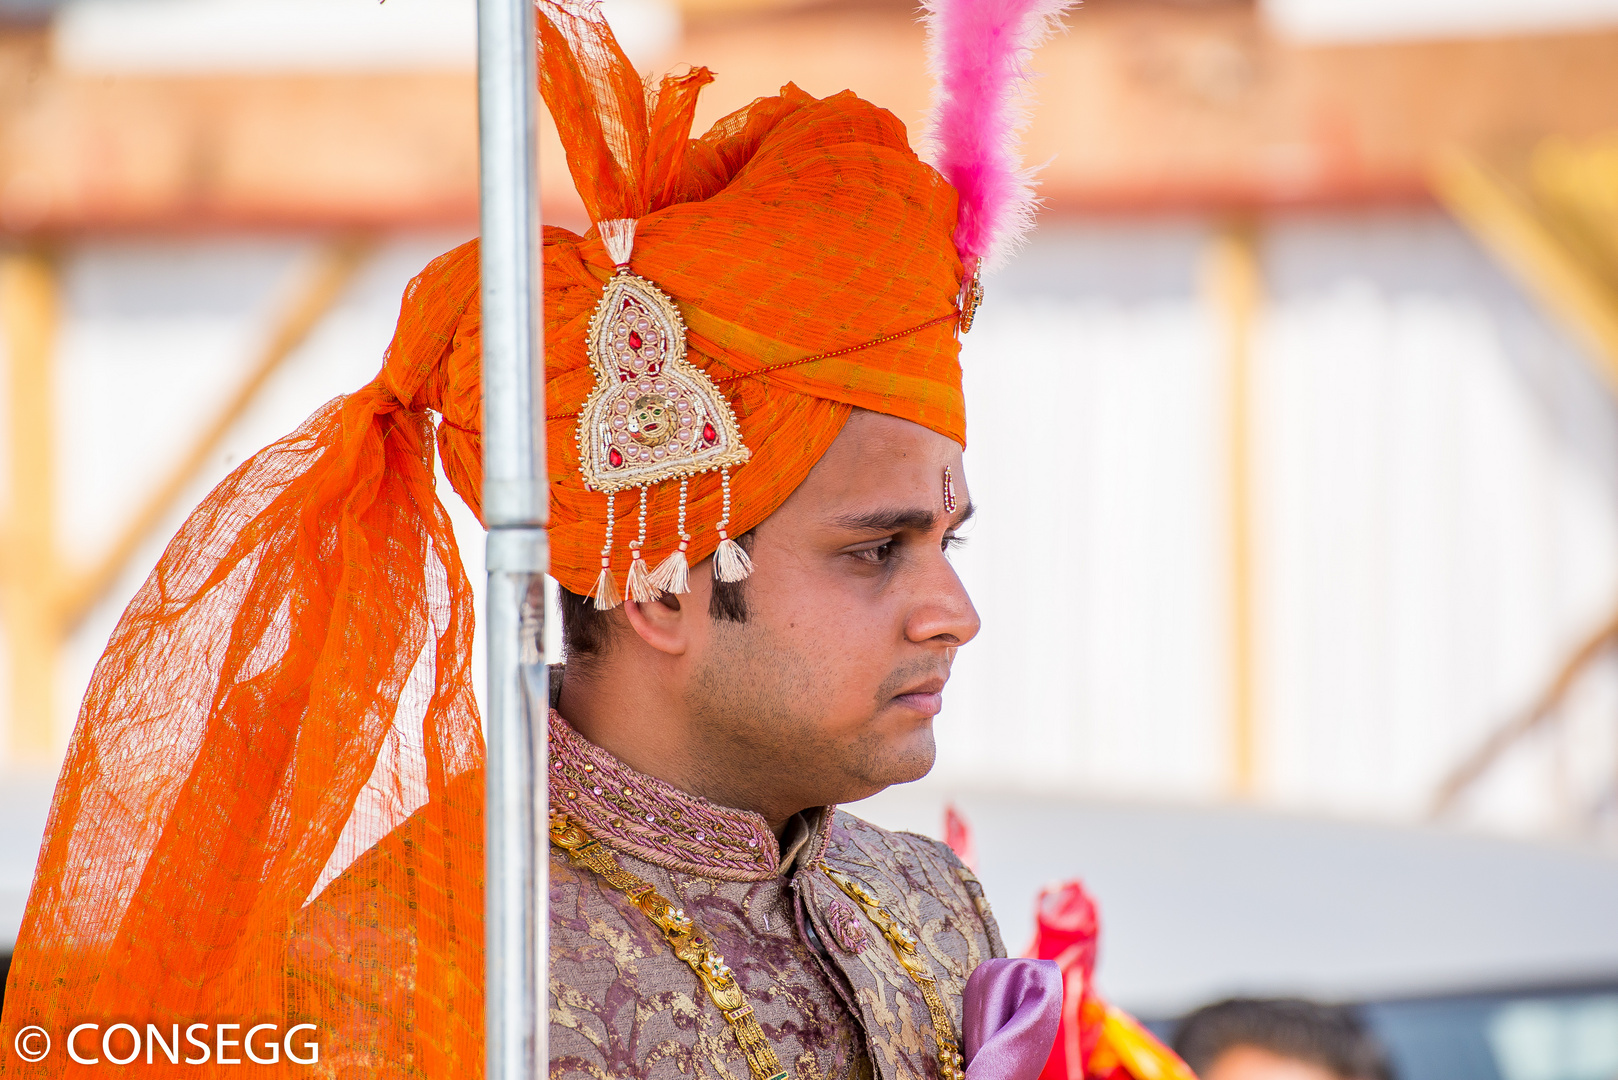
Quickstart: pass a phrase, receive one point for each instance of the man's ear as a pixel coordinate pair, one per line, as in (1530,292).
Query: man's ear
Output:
(662,623)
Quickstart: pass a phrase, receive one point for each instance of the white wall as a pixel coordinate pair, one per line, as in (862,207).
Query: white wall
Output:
(1436,487)
(1339,21)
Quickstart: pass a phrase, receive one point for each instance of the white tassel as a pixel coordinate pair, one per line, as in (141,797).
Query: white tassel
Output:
(618,237)
(639,585)
(673,574)
(730,562)
(605,592)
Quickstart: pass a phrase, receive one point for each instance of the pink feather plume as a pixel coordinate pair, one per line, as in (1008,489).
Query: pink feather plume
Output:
(979,52)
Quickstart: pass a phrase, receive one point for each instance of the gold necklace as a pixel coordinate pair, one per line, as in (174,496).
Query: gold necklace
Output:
(684,937)
(693,946)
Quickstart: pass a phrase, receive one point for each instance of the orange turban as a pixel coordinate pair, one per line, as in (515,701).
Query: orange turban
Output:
(271,808)
(808,249)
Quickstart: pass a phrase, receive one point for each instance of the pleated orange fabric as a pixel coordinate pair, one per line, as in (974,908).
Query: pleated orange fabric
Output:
(271,808)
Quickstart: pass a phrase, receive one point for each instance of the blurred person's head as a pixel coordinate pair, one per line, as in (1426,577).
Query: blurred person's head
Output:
(1279,1039)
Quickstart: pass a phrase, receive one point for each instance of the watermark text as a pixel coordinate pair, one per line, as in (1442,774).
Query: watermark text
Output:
(175,1044)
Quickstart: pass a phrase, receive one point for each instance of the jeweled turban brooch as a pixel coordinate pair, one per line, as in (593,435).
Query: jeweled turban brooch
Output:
(651,418)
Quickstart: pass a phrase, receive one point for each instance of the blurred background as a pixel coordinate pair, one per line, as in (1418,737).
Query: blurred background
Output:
(1300,599)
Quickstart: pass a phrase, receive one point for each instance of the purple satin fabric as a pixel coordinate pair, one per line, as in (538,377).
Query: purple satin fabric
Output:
(1009,1019)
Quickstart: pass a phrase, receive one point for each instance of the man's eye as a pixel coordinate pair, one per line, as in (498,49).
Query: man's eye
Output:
(879,554)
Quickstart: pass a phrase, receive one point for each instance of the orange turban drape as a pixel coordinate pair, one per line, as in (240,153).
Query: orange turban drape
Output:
(271,808)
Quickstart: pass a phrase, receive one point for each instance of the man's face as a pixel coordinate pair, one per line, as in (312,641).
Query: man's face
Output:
(828,691)
(1244,1062)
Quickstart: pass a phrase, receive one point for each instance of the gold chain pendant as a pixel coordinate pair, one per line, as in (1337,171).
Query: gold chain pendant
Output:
(687,940)
(951,1065)
(691,945)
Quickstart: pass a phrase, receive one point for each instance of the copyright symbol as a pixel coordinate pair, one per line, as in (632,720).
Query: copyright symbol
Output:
(32,1043)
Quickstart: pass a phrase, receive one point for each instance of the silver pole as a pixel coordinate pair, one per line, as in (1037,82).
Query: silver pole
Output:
(514,508)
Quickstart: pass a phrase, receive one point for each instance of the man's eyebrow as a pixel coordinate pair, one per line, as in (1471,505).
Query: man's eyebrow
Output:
(907,520)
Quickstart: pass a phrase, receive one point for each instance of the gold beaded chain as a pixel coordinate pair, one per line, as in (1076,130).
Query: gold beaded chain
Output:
(684,937)
(691,945)
(903,940)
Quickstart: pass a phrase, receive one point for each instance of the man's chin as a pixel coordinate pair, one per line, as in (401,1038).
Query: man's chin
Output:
(903,764)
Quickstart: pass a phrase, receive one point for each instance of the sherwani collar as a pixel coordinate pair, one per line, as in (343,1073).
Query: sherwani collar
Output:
(656,821)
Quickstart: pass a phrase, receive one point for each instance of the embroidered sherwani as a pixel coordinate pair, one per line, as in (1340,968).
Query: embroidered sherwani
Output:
(827,988)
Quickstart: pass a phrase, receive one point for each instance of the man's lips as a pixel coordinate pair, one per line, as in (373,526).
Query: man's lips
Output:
(926,697)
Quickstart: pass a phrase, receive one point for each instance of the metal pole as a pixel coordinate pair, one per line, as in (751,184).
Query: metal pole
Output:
(514,509)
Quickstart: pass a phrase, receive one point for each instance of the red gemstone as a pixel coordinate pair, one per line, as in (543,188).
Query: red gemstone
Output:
(634,339)
(614,458)
(709,435)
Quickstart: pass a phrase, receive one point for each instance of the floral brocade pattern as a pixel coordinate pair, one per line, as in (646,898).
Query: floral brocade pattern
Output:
(622,1005)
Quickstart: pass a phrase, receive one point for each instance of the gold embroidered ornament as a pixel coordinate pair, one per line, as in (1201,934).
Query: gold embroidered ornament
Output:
(652,417)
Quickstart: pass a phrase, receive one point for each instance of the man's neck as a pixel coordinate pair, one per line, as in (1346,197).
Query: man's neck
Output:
(650,738)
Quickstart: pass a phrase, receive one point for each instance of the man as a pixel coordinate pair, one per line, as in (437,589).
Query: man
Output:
(270,821)
(717,731)
(1279,1039)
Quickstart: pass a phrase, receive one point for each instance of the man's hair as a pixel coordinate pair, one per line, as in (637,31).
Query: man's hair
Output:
(1330,1036)
(587,633)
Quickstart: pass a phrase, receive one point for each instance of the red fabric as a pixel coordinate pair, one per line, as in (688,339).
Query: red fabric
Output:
(1066,930)
(958,835)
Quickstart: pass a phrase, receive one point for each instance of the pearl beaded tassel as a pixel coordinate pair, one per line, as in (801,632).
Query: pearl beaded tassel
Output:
(639,584)
(673,574)
(730,562)
(606,592)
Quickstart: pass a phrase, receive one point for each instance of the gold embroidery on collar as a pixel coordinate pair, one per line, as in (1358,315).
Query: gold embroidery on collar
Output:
(651,819)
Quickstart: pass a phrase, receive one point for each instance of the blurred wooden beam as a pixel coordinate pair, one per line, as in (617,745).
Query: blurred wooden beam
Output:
(89,154)
(1233,288)
(1507,221)
(33,632)
(1144,106)
(1488,753)
(321,284)
(42,598)
(701,10)
(1153,106)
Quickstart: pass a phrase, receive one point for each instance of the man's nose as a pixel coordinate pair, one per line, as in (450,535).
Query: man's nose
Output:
(943,612)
